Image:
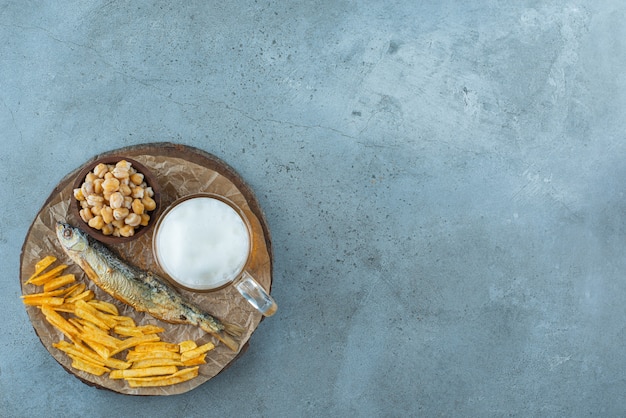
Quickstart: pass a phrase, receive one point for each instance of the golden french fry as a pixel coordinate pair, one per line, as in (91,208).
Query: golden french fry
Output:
(157,346)
(133,341)
(201,359)
(150,329)
(57,292)
(178,377)
(58,282)
(72,350)
(41,265)
(93,333)
(155,362)
(60,323)
(142,355)
(125,321)
(78,350)
(187,355)
(75,290)
(45,277)
(43,300)
(98,317)
(77,324)
(85,359)
(105,307)
(187,345)
(65,307)
(80,364)
(127,331)
(86,296)
(103,351)
(83,313)
(148,371)
(114,363)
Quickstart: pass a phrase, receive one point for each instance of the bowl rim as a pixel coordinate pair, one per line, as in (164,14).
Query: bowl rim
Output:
(151,181)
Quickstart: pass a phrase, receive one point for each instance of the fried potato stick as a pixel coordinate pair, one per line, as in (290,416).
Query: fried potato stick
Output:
(178,377)
(187,355)
(58,282)
(142,355)
(41,265)
(155,362)
(88,367)
(157,346)
(43,300)
(60,323)
(145,372)
(186,345)
(45,277)
(133,341)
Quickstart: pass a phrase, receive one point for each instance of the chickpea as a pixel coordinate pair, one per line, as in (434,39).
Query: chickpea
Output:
(133,219)
(125,189)
(116,200)
(107,214)
(94,200)
(91,177)
(96,222)
(87,188)
(138,192)
(97,186)
(97,209)
(122,169)
(148,203)
(138,207)
(122,164)
(136,179)
(118,223)
(121,173)
(127,231)
(111,185)
(128,202)
(86,214)
(145,219)
(108,175)
(78,194)
(149,191)
(120,213)
(100,170)
(108,229)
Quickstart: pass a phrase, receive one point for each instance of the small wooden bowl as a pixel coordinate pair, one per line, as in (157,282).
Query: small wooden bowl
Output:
(150,180)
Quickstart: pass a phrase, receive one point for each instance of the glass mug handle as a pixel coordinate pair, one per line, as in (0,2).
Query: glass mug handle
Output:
(256,295)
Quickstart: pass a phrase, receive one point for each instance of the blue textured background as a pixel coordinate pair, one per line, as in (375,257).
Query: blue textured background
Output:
(444,184)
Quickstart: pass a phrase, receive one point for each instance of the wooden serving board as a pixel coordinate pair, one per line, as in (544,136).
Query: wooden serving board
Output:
(180,170)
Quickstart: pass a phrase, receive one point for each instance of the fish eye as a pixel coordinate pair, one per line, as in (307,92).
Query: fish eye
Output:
(67,233)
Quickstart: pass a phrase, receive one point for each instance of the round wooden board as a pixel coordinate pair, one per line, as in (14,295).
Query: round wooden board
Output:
(181,170)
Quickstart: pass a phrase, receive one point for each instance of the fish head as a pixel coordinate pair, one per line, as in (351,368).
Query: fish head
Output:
(71,238)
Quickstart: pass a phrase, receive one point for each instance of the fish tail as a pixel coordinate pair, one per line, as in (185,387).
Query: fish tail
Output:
(225,335)
(234,330)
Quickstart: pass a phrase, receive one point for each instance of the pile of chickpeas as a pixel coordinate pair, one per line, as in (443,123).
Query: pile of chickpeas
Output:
(115,199)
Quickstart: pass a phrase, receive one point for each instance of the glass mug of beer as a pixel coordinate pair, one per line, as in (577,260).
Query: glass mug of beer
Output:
(203,242)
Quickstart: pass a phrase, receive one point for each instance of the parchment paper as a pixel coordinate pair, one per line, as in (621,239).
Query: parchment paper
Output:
(180,171)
